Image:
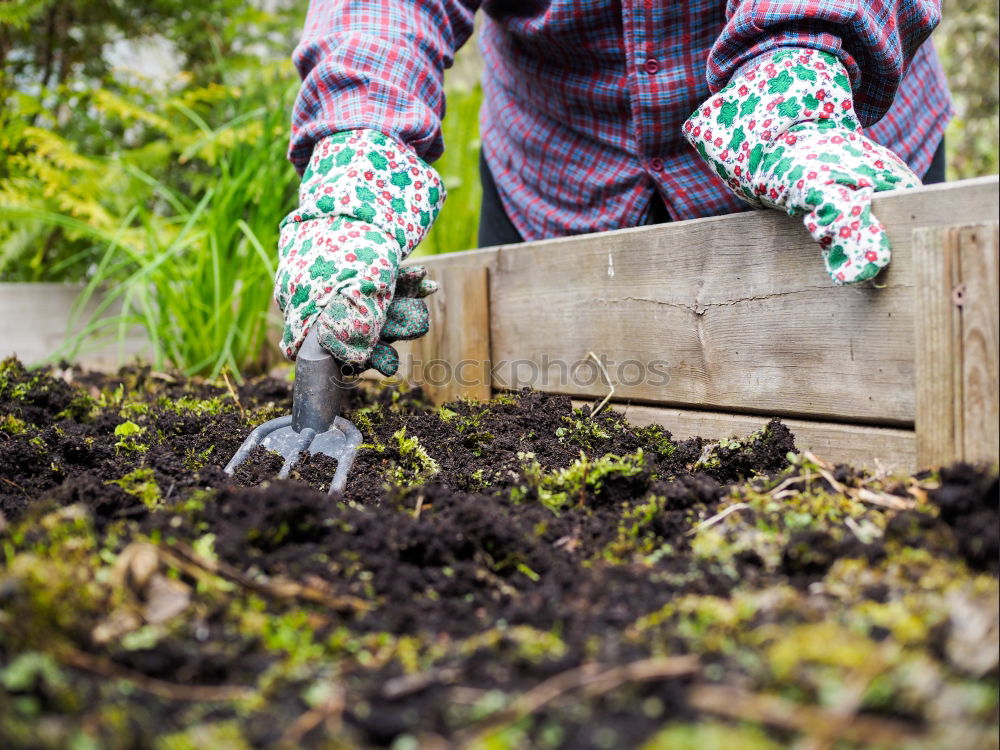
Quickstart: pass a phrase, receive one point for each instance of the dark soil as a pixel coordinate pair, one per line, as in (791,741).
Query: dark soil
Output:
(479,550)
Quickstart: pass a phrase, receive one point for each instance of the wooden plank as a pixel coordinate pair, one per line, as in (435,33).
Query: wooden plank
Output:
(957,350)
(482,258)
(874,448)
(938,352)
(736,311)
(980,309)
(453,360)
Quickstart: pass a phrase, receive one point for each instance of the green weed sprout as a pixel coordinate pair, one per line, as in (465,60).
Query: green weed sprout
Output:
(415,465)
(129,432)
(561,488)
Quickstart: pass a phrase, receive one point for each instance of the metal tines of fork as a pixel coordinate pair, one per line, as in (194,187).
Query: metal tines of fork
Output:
(315,424)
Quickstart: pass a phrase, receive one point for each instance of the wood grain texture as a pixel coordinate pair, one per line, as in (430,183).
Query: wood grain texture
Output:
(957,344)
(873,448)
(938,353)
(737,310)
(978,249)
(453,360)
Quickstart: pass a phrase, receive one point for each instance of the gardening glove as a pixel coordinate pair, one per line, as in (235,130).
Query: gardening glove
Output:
(783,134)
(365,202)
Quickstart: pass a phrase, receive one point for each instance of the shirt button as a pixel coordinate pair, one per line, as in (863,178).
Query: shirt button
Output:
(651,65)
(656,164)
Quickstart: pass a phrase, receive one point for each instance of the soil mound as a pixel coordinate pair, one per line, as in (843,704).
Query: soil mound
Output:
(515,573)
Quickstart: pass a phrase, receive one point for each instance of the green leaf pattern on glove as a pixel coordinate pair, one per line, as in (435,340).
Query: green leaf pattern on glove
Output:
(407,318)
(783,134)
(365,202)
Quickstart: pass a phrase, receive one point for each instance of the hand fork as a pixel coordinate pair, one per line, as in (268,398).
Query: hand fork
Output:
(315,423)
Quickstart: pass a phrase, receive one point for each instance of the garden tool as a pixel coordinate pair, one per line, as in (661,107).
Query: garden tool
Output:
(315,423)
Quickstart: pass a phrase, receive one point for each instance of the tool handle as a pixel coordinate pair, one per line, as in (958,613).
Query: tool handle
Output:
(319,386)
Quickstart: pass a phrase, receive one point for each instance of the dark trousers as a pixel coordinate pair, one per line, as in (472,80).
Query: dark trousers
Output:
(495,227)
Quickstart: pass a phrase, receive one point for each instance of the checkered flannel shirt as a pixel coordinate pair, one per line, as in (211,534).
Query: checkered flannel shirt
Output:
(584,99)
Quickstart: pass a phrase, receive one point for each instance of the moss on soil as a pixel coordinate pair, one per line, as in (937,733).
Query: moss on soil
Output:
(501,575)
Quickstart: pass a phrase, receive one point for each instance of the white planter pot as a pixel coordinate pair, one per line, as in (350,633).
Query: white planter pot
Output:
(34,325)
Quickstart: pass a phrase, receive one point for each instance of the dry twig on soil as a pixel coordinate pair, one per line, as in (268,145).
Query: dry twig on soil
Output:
(182,556)
(607,379)
(160,688)
(590,679)
(786,714)
(328,712)
(233,393)
(709,522)
(825,471)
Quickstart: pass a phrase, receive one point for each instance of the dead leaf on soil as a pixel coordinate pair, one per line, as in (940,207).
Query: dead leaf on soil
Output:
(155,597)
(974,641)
(165,598)
(119,623)
(135,565)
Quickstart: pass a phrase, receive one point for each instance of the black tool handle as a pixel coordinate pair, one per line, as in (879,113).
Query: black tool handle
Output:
(319,385)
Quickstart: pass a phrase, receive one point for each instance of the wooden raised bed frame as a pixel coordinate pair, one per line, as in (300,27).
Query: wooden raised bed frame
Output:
(900,374)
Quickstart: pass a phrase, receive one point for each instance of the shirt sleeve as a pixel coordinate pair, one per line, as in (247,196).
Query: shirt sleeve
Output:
(376,64)
(874,39)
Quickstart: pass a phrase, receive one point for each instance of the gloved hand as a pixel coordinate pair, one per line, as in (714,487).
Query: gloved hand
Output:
(365,202)
(783,134)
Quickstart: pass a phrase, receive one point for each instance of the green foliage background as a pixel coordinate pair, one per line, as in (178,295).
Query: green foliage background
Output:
(969,45)
(97,145)
(166,195)
(179,187)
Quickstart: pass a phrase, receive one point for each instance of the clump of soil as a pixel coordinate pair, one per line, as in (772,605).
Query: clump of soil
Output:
(967,501)
(515,573)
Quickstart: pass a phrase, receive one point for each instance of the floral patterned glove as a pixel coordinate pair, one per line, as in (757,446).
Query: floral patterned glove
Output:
(783,134)
(365,202)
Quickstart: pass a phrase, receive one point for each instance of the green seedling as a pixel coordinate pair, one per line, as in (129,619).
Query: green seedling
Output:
(194,460)
(711,458)
(14,385)
(12,425)
(200,407)
(635,534)
(80,409)
(583,431)
(467,418)
(129,433)
(141,484)
(657,440)
(415,464)
(131,409)
(574,484)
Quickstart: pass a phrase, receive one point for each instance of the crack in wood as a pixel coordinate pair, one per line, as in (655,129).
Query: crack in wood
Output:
(700,308)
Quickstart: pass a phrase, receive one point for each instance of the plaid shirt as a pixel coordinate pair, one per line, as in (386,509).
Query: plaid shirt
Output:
(585,99)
